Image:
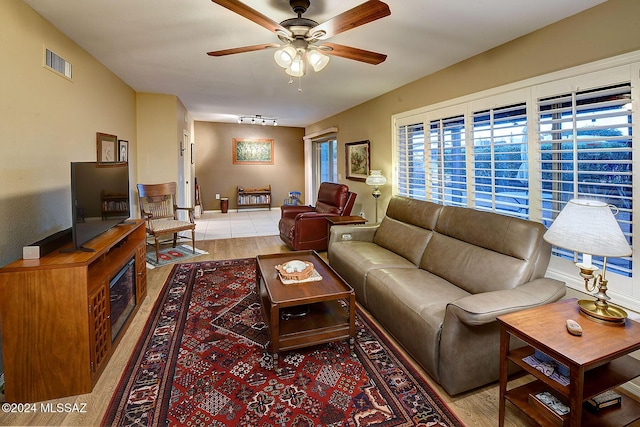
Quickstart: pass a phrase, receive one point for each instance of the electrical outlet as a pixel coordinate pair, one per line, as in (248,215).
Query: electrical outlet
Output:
(361,214)
(217,196)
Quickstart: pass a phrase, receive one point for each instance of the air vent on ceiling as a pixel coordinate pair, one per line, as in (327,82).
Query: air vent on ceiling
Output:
(57,63)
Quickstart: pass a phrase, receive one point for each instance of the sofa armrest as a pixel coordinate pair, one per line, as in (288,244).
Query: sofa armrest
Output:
(362,233)
(479,309)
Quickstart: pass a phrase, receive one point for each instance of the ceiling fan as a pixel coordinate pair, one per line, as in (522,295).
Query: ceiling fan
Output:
(303,38)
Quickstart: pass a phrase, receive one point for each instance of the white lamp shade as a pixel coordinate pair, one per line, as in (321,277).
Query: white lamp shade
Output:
(588,226)
(317,60)
(376,179)
(284,56)
(296,69)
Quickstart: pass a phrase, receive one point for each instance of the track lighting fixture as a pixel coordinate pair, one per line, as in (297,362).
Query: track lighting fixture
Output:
(257,119)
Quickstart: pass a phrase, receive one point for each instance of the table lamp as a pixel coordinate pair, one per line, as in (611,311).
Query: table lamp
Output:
(590,227)
(376,180)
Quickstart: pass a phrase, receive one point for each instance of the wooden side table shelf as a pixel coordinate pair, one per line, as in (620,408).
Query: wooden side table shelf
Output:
(598,361)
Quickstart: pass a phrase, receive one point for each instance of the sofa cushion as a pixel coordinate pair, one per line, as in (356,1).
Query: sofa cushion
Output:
(483,251)
(472,268)
(411,304)
(355,259)
(406,228)
(507,235)
(416,212)
(404,239)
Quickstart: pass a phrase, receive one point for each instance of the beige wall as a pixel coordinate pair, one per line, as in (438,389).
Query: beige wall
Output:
(609,29)
(161,121)
(47,122)
(216,172)
(158,138)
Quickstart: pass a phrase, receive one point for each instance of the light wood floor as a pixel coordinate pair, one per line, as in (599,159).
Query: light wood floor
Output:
(478,408)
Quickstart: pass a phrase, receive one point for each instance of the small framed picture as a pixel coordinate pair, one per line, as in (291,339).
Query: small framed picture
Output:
(107,146)
(357,160)
(123,151)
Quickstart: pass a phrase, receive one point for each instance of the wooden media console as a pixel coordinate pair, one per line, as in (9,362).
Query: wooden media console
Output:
(55,314)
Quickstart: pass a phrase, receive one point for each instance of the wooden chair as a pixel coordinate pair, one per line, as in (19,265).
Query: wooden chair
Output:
(159,209)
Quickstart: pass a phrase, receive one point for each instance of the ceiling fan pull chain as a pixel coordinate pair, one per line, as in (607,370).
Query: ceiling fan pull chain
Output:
(299,83)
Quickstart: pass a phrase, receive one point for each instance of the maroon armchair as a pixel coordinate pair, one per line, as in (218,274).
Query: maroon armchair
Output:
(305,227)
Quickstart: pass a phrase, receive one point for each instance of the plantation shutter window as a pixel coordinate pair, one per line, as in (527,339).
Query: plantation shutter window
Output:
(585,152)
(447,161)
(500,160)
(411,167)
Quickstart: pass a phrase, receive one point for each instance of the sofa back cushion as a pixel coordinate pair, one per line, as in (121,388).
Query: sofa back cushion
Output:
(407,227)
(484,251)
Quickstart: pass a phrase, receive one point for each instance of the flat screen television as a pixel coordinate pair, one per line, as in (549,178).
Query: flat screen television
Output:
(99,200)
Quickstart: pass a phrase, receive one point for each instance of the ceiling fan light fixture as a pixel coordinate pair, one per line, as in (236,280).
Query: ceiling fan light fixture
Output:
(285,56)
(317,60)
(297,67)
(300,36)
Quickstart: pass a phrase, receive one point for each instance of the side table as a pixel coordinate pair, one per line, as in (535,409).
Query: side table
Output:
(598,361)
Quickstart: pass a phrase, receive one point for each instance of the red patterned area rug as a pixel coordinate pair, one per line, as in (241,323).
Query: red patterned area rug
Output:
(203,360)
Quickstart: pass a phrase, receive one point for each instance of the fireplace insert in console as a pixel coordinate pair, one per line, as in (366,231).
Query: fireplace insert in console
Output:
(122,292)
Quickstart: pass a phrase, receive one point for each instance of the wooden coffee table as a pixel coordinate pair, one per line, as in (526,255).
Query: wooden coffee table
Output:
(314,312)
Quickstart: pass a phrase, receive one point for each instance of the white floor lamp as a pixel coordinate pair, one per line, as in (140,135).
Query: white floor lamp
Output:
(376,180)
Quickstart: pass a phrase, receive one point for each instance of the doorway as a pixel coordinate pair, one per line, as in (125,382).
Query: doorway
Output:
(325,162)
(185,187)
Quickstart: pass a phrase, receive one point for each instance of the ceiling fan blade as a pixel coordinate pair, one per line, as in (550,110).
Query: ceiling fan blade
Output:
(252,15)
(352,18)
(242,49)
(353,53)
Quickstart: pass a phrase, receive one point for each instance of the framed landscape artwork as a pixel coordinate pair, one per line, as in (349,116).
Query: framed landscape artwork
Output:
(357,158)
(251,151)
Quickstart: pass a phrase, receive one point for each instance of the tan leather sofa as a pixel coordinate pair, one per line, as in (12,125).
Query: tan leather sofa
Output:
(437,276)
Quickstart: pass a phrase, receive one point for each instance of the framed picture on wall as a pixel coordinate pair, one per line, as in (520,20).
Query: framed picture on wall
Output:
(251,151)
(358,161)
(123,151)
(107,146)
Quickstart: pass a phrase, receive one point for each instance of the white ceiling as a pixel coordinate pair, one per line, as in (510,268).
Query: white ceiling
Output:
(160,46)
